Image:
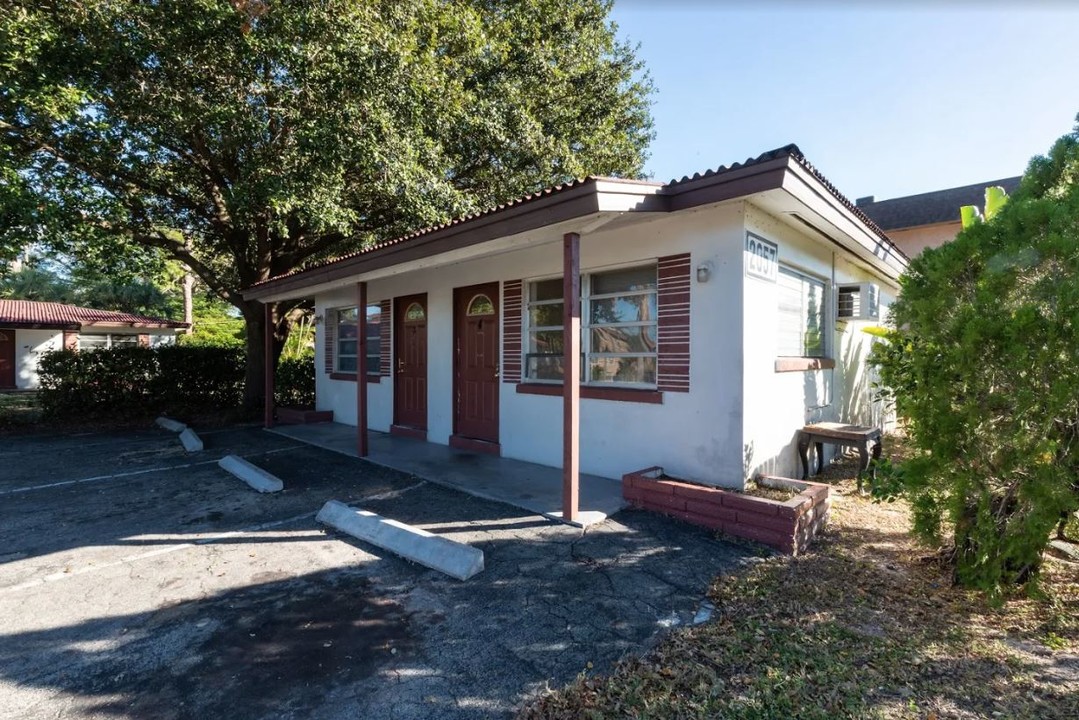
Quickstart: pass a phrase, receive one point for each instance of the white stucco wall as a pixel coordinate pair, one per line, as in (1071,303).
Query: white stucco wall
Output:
(777,404)
(29,345)
(697,435)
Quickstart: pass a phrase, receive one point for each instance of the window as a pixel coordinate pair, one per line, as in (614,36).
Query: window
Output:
(347,359)
(104,341)
(374,339)
(801,315)
(347,340)
(618,333)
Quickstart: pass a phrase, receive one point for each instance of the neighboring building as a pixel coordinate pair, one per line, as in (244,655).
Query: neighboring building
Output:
(29,328)
(719,314)
(917,222)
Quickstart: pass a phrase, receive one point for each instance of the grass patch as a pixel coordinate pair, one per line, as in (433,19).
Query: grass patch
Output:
(867,625)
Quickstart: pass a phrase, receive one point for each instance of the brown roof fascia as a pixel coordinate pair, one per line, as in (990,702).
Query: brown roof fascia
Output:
(547,210)
(728,184)
(39,326)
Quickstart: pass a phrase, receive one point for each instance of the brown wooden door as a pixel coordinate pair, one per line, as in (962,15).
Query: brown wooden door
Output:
(7,358)
(476,360)
(410,349)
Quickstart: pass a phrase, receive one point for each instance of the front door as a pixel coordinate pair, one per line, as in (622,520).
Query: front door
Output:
(476,360)
(410,348)
(7,358)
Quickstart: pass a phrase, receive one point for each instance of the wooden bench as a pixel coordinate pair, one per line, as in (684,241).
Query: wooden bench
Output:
(866,439)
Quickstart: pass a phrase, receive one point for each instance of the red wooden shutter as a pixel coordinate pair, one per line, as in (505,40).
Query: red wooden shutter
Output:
(511,331)
(674,282)
(330,335)
(384,338)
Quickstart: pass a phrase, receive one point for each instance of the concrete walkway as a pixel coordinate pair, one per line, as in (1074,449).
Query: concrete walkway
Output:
(537,488)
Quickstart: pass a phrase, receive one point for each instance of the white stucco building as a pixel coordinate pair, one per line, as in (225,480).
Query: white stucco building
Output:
(719,314)
(29,328)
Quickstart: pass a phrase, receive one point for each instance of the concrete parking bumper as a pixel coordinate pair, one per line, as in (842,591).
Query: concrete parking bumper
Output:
(455,559)
(254,476)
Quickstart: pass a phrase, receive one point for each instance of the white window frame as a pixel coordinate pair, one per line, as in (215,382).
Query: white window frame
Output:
(825,315)
(108,340)
(373,370)
(337,339)
(587,326)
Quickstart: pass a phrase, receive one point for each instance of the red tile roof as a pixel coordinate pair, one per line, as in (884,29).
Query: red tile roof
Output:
(71,317)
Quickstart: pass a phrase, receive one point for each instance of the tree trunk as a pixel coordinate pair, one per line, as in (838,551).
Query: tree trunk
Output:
(255,369)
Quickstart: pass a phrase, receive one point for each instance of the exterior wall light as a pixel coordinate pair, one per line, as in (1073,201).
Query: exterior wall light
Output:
(704,272)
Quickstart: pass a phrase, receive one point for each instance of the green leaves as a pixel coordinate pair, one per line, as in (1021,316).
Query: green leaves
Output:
(982,363)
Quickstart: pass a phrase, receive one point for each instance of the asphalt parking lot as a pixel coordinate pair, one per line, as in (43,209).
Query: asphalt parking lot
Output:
(138,581)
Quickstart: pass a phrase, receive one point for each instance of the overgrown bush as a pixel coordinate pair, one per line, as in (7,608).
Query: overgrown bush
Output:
(982,357)
(294,381)
(177,380)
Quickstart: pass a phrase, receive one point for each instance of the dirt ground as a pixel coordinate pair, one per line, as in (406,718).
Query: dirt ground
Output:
(137,581)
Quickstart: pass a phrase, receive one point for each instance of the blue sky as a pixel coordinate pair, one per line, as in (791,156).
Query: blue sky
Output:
(886,100)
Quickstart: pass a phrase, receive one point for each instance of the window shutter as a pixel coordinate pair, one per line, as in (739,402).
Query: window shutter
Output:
(384,339)
(673,300)
(330,334)
(511,331)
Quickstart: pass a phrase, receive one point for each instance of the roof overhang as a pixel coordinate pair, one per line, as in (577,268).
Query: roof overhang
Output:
(783,184)
(587,205)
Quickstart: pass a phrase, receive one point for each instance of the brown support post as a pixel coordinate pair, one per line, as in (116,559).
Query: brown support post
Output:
(267,390)
(571,374)
(361,369)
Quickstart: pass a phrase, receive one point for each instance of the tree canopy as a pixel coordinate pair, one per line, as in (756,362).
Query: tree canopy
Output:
(982,359)
(249,138)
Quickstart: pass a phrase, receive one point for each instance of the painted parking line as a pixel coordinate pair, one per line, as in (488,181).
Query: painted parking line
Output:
(132,473)
(209,539)
(156,437)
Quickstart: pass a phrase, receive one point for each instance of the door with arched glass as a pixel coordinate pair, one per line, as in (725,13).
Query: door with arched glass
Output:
(410,373)
(476,362)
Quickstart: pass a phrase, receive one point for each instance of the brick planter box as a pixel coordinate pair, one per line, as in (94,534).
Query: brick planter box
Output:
(302,416)
(788,526)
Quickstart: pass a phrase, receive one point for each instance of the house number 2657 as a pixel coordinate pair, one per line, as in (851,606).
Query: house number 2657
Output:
(762,258)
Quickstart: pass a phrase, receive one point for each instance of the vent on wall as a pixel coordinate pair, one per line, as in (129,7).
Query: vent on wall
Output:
(859,302)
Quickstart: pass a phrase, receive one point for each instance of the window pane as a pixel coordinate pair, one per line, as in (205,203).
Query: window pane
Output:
(545,341)
(93,342)
(543,367)
(347,315)
(635,308)
(415,313)
(624,339)
(545,315)
(623,370)
(125,340)
(347,364)
(374,314)
(481,305)
(546,290)
(624,281)
(346,347)
(800,326)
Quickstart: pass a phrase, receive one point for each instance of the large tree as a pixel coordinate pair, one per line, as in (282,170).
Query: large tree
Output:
(249,138)
(982,359)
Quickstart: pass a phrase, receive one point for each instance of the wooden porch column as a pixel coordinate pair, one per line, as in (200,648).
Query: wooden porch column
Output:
(361,369)
(268,386)
(571,374)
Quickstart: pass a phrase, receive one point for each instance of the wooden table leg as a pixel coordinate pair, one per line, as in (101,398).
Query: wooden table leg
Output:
(803,454)
(820,458)
(863,463)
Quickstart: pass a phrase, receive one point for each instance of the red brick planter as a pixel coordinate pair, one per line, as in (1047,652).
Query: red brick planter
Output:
(788,526)
(302,416)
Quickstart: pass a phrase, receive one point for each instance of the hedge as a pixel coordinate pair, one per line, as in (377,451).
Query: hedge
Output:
(175,380)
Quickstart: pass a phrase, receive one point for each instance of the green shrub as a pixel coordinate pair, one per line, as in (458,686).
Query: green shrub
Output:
(982,360)
(294,381)
(178,380)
